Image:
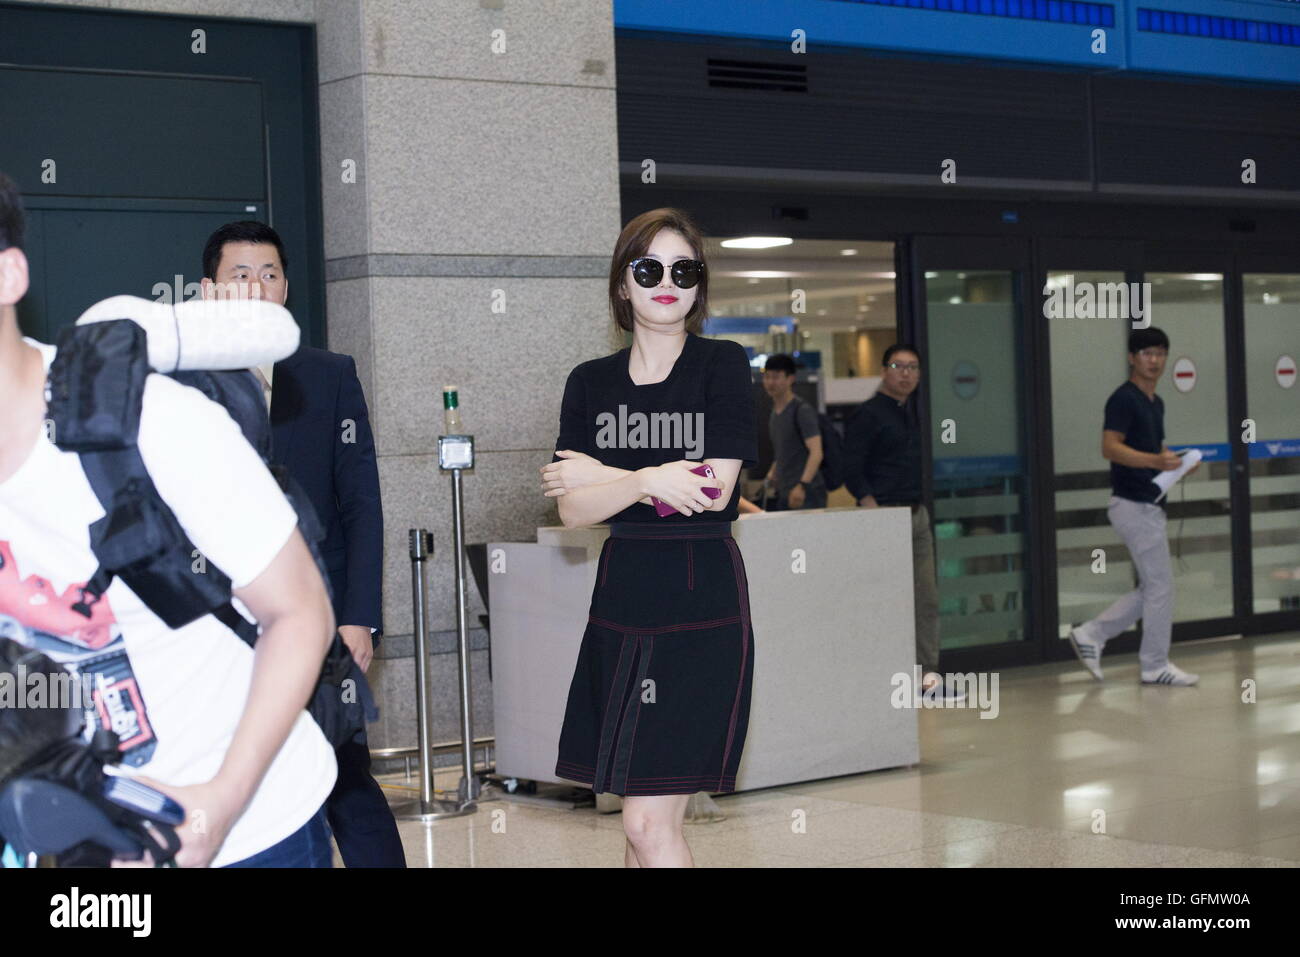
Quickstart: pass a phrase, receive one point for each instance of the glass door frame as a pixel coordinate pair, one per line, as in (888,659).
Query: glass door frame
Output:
(918,254)
(1253,260)
(1217,258)
(1055,255)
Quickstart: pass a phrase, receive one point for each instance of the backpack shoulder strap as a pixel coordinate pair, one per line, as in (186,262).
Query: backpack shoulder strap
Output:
(96,386)
(798,431)
(238,391)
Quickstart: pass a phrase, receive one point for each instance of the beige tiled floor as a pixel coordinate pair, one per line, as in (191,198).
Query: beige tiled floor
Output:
(1172,777)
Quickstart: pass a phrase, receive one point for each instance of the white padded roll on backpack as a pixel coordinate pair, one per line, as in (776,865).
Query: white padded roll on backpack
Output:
(205,333)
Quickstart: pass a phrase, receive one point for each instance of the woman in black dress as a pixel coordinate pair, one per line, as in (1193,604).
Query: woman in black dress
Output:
(659,703)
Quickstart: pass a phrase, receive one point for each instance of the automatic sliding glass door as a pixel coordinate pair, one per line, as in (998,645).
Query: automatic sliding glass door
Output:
(1189,307)
(970,306)
(1088,360)
(978,466)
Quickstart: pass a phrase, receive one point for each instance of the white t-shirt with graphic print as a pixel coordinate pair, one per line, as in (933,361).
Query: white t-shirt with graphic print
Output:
(175,697)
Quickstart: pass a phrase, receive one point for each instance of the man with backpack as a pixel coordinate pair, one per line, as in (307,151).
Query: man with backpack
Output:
(203,717)
(796,441)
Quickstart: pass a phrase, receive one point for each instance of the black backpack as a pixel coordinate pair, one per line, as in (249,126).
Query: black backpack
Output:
(832,467)
(96,390)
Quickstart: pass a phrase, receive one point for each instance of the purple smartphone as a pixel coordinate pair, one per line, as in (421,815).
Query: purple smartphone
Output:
(664,509)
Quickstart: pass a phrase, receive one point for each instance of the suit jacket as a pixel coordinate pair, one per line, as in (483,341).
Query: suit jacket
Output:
(314,394)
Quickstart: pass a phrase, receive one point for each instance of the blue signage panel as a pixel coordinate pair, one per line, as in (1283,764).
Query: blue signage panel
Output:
(1222,38)
(746,325)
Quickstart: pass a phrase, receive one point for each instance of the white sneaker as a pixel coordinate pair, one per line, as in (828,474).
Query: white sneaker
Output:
(1088,651)
(953,692)
(1170,674)
(942,687)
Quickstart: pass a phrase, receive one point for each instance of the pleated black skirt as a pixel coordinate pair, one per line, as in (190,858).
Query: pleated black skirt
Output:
(659,702)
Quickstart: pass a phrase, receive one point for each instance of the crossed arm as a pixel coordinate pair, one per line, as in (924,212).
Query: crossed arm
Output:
(590,492)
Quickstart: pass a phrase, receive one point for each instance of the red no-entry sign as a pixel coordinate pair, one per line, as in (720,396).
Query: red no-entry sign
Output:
(1285,371)
(1184,374)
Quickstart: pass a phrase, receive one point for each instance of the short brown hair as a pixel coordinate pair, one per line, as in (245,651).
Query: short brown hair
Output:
(11,215)
(633,243)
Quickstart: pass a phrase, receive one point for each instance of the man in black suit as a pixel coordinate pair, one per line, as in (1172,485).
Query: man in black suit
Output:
(320,432)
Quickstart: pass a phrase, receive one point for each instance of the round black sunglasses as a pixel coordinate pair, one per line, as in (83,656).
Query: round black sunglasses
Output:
(648,272)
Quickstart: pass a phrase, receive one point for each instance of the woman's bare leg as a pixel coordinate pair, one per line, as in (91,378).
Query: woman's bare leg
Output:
(653,825)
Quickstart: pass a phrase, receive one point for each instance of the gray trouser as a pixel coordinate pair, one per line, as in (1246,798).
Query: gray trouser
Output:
(1142,527)
(925,591)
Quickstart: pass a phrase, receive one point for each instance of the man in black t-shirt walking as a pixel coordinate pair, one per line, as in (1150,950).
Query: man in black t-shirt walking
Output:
(1133,440)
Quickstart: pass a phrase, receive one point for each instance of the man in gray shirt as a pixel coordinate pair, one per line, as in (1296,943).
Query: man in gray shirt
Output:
(796,441)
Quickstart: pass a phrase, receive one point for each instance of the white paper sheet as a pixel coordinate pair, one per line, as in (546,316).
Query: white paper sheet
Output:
(1166,480)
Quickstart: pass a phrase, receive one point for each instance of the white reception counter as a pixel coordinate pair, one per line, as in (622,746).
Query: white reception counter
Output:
(830,593)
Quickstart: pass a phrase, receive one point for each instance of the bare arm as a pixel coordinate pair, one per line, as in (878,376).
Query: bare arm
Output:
(1114,450)
(290,603)
(727,472)
(672,482)
(595,503)
(814,446)
(609,473)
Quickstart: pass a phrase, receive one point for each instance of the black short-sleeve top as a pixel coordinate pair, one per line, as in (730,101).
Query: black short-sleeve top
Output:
(1141,421)
(704,409)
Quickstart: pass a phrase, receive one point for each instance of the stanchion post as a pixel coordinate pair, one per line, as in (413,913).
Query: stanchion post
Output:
(468,790)
(427,808)
(421,547)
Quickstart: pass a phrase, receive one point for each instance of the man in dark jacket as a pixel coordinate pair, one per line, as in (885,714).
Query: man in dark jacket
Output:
(882,466)
(320,431)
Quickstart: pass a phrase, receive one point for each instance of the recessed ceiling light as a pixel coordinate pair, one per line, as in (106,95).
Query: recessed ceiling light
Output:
(848,252)
(757,242)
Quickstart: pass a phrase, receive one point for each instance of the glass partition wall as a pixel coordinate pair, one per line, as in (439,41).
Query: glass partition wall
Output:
(1271,306)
